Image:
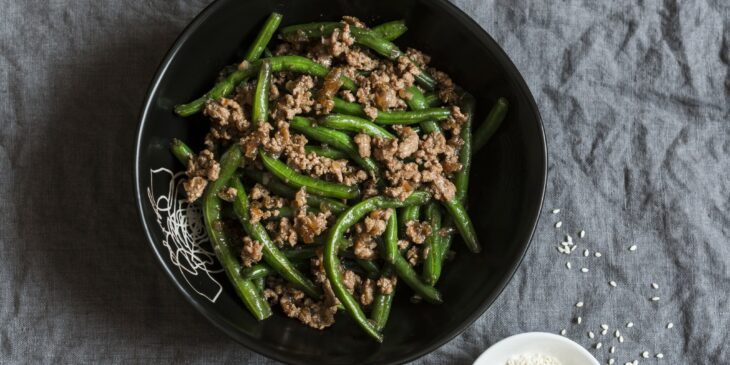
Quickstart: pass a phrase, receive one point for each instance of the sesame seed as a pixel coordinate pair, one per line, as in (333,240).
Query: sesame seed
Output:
(604,326)
(611,361)
(645,354)
(568,265)
(655,285)
(582,234)
(630,324)
(670,325)
(660,355)
(612,349)
(654,299)
(591,335)
(604,332)
(597,254)
(584,270)
(621,339)
(632,248)
(636,362)
(573,248)
(579,304)
(612,283)
(556,211)
(579,320)
(599,345)
(557,225)
(628,363)
(586,253)
(562,332)
(617,333)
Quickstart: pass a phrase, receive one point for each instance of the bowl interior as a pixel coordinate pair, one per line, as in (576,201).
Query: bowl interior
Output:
(505,198)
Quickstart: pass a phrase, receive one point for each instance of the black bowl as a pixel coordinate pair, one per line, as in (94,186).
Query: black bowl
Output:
(507,183)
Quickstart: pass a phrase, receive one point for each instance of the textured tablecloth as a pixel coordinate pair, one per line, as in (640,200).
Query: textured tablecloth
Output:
(635,98)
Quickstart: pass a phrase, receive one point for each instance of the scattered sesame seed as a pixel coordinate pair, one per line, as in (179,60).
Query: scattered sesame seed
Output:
(568,265)
(579,320)
(630,324)
(556,211)
(645,354)
(584,270)
(611,361)
(565,244)
(582,234)
(562,332)
(591,335)
(573,248)
(628,363)
(660,355)
(636,362)
(586,253)
(617,333)
(579,304)
(621,339)
(604,332)
(612,349)
(632,248)
(604,326)
(670,325)
(599,345)
(597,254)
(655,285)
(654,299)
(612,283)
(557,225)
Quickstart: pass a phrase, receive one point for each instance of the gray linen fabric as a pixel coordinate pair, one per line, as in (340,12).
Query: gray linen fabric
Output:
(635,97)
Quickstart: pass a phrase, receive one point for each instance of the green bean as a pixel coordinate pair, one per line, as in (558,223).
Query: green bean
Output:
(331,263)
(182,152)
(391,237)
(279,188)
(267,53)
(408,214)
(271,254)
(382,303)
(326,152)
(461,178)
(355,124)
(260,109)
(245,289)
(487,129)
(226,86)
(285,212)
(432,100)
(256,271)
(391,30)
(363,37)
(260,284)
(410,277)
(463,224)
(432,246)
(393,117)
(331,137)
(262,39)
(314,186)
(418,102)
(301,253)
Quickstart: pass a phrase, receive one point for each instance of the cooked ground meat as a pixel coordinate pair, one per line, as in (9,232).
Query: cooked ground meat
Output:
(228,194)
(297,100)
(367,292)
(227,118)
(283,232)
(372,226)
(362,141)
(295,304)
(446,87)
(418,231)
(351,280)
(413,256)
(201,169)
(308,225)
(252,251)
(386,284)
(262,204)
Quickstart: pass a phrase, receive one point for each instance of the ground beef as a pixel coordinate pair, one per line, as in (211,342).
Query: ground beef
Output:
(403,244)
(417,231)
(283,232)
(200,169)
(252,251)
(308,225)
(386,284)
(322,167)
(351,280)
(228,194)
(445,86)
(418,57)
(372,226)
(413,256)
(295,304)
(330,86)
(360,60)
(354,21)
(347,96)
(228,119)
(262,204)
(367,292)
(408,142)
(362,141)
(297,100)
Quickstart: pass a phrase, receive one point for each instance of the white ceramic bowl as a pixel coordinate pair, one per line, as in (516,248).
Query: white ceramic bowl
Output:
(559,347)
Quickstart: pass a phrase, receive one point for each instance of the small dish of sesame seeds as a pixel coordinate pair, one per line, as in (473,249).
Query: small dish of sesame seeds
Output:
(541,347)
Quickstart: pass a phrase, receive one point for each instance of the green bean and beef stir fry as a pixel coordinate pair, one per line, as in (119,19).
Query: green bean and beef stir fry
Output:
(336,167)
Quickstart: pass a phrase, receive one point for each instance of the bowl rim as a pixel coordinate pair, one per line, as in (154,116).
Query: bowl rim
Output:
(472,27)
